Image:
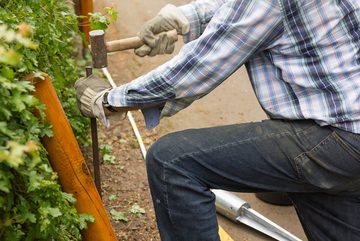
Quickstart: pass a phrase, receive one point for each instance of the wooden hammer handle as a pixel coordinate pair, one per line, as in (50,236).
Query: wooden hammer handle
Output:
(132,43)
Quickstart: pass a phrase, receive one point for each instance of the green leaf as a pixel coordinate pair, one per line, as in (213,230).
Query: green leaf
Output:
(7,72)
(112,13)
(15,156)
(4,129)
(105,149)
(34,181)
(110,159)
(137,210)
(68,197)
(18,103)
(39,75)
(10,57)
(84,219)
(118,216)
(112,197)
(54,212)
(101,22)
(25,213)
(5,178)
(4,187)
(98,21)
(46,131)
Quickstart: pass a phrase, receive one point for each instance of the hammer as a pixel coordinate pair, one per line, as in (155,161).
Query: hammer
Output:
(100,48)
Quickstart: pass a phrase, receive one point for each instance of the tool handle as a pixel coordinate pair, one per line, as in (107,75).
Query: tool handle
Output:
(132,43)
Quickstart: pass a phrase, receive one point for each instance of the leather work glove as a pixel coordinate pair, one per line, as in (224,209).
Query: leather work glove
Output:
(153,33)
(89,95)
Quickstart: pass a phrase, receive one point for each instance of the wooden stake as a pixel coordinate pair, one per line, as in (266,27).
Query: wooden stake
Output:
(67,160)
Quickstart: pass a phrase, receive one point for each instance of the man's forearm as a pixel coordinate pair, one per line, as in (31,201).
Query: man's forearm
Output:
(206,62)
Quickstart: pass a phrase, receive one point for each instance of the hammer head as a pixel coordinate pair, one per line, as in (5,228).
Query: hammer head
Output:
(98,49)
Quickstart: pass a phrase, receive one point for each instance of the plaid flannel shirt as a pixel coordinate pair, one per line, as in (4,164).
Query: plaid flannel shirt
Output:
(302,57)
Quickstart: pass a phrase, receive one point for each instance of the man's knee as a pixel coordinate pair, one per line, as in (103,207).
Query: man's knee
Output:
(164,150)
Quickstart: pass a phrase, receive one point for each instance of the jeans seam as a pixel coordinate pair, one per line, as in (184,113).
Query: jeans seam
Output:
(297,166)
(177,158)
(305,131)
(165,188)
(343,145)
(355,135)
(298,159)
(166,166)
(166,196)
(322,142)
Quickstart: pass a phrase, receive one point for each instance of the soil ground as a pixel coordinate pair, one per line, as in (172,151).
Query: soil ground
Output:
(232,102)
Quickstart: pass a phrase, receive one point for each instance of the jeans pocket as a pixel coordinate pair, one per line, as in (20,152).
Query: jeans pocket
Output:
(349,141)
(330,165)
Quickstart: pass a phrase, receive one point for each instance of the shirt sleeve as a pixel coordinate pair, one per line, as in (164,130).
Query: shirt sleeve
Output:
(238,29)
(199,13)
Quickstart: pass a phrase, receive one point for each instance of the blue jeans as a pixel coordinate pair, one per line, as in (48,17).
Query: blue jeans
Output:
(319,167)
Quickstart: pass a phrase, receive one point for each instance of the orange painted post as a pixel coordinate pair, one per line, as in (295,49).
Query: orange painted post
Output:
(67,160)
(85,7)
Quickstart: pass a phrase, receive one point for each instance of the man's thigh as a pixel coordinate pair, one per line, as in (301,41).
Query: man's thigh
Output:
(318,166)
(273,155)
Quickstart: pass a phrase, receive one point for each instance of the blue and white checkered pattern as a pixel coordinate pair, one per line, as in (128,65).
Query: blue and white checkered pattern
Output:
(303,58)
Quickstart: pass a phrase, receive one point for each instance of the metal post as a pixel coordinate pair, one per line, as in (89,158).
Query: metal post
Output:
(85,7)
(95,146)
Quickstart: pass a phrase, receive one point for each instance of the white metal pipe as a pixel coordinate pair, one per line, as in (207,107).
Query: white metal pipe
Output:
(137,134)
(238,210)
(108,76)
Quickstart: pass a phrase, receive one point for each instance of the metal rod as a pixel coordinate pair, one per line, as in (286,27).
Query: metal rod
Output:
(108,77)
(96,159)
(85,7)
(95,146)
(137,134)
(238,210)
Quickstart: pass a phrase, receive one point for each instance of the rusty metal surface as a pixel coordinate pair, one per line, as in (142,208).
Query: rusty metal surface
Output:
(98,49)
(95,146)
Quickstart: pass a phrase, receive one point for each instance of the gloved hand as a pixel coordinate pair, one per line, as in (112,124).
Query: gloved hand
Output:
(89,94)
(169,18)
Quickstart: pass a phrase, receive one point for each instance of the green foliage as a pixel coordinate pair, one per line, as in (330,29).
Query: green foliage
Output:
(123,216)
(112,197)
(118,216)
(137,210)
(107,156)
(98,21)
(32,205)
(54,29)
(9,56)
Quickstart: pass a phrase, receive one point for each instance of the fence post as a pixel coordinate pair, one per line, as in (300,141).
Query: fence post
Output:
(67,160)
(83,8)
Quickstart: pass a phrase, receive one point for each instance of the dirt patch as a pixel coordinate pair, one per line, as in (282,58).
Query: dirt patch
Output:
(124,183)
